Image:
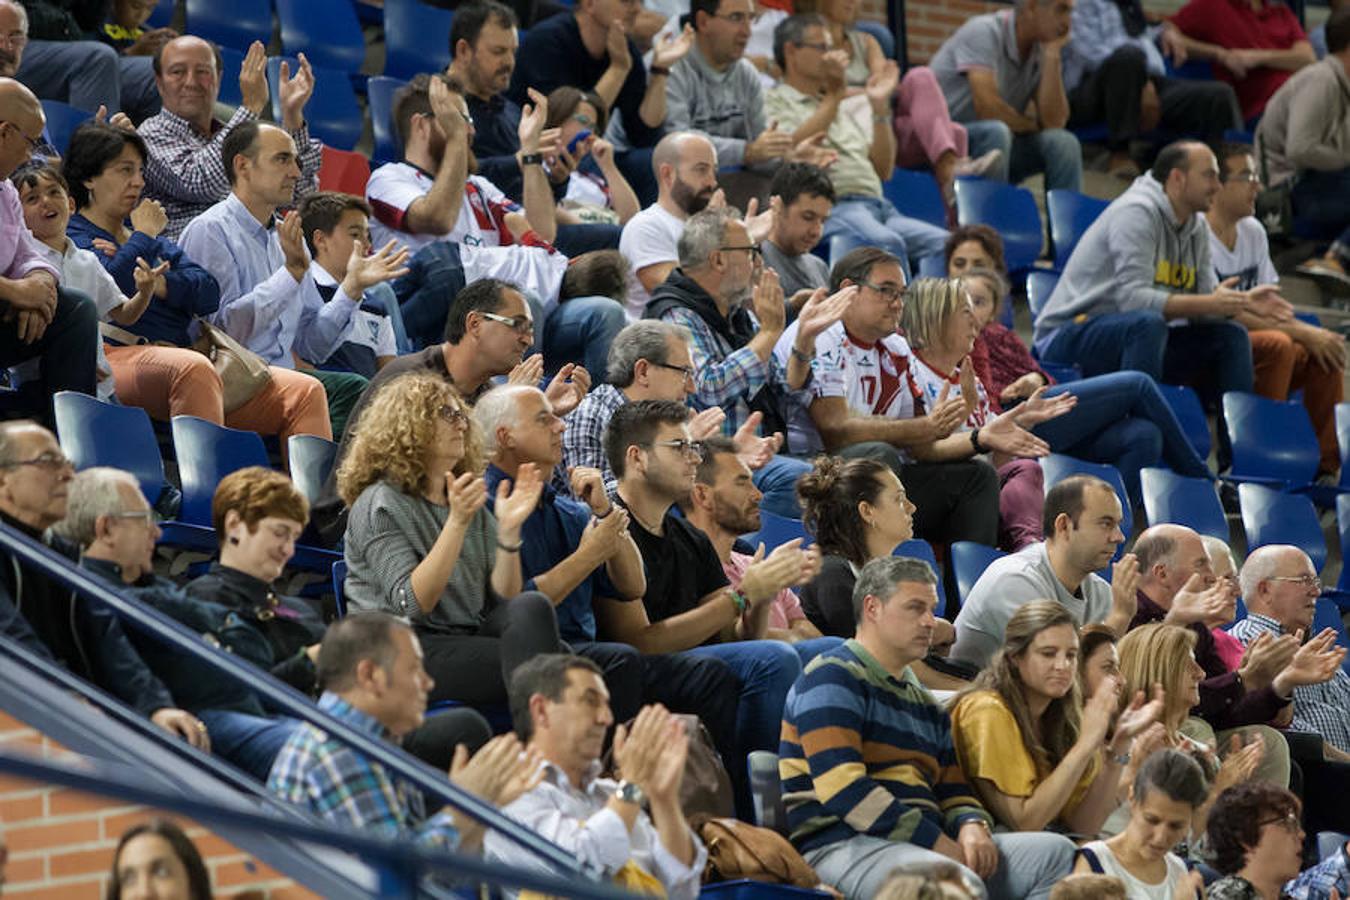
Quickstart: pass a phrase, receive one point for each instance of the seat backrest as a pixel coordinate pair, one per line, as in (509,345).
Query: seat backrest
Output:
(1190,413)
(1071,213)
(311,459)
(1193,502)
(1343,530)
(1329,843)
(1056,467)
(207,453)
(1011,211)
(380,95)
(62,120)
(766,790)
(1343,439)
(235,24)
(969,560)
(332,113)
(1274,517)
(918,548)
(231,62)
(326,31)
(1271,439)
(917,195)
(94,433)
(1326,614)
(415,38)
(934,266)
(1040,285)
(878,30)
(343,170)
(775,530)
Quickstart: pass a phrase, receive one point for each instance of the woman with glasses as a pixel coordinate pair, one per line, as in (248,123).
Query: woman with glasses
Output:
(1121,418)
(421,543)
(1256,842)
(597,192)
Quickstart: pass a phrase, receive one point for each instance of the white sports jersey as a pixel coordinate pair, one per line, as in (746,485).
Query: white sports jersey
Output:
(930,382)
(482,216)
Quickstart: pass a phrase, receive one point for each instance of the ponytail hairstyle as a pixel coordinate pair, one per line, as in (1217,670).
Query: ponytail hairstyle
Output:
(829,495)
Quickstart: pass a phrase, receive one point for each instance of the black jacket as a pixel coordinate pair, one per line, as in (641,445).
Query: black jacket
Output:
(65,20)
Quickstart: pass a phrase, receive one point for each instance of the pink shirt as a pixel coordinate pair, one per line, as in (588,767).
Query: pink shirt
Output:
(1229,648)
(784,609)
(20,252)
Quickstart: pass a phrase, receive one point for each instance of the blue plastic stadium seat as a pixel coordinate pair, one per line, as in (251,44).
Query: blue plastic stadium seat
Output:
(311,459)
(1328,615)
(1274,517)
(62,120)
(207,453)
(1070,215)
(1273,441)
(1343,439)
(1057,467)
(766,790)
(162,15)
(1193,502)
(840,245)
(231,61)
(417,38)
(235,24)
(380,95)
(1040,285)
(333,113)
(326,31)
(94,433)
(1011,211)
(918,548)
(339,577)
(883,35)
(775,530)
(1190,412)
(969,560)
(916,195)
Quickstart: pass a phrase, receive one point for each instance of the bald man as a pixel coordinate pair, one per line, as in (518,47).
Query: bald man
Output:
(56,65)
(39,320)
(686,174)
(185,171)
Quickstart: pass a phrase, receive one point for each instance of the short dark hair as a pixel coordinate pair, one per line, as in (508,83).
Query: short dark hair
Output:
(199,881)
(701,6)
(1236,817)
(93,147)
(829,495)
(986,237)
(713,447)
(242,140)
(857,266)
(1174,773)
(322,210)
(34,175)
(349,640)
(483,295)
(544,674)
(1226,151)
(1176,155)
(881,576)
(155,61)
(471,17)
(1067,497)
(791,31)
(563,101)
(1338,30)
(796,178)
(636,424)
(414,99)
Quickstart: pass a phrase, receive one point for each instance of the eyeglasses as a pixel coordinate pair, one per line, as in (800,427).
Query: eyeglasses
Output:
(147,516)
(521,325)
(33,143)
(819,48)
(695,449)
(1289,822)
(755,252)
(49,461)
(686,371)
(453,414)
(1308,581)
(738,18)
(14,39)
(583,120)
(888,291)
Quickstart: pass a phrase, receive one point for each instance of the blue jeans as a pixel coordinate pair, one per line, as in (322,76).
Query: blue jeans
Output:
(767,670)
(809,649)
(1055,151)
(250,742)
(1321,202)
(777,481)
(876,222)
(1122,419)
(574,240)
(87,74)
(581,330)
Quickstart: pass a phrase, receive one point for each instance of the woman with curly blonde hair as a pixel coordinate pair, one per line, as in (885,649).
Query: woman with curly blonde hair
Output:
(421,542)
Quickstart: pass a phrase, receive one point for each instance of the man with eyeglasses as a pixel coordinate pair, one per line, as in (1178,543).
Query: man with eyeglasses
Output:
(41,321)
(721,279)
(1290,355)
(47,617)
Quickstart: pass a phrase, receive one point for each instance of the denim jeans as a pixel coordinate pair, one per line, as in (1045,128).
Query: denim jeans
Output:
(250,742)
(876,222)
(1122,419)
(777,481)
(89,74)
(574,240)
(1054,151)
(810,648)
(581,330)
(767,669)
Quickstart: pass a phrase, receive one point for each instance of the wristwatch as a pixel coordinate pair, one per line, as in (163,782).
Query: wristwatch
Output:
(629,792)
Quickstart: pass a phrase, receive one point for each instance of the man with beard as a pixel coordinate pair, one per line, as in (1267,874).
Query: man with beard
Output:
(461,227)
(724,505)
(720,281)
(185,171)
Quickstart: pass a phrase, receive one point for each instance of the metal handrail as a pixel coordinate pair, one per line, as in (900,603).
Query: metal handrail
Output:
(279,695)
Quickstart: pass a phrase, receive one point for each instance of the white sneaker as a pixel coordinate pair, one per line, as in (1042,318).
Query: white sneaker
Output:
(980,164)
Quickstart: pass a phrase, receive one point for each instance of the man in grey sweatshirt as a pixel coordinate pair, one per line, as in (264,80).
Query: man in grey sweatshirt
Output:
(1144,266)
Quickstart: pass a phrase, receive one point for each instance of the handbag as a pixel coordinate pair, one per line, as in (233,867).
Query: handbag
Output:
(739,850)
(242,372)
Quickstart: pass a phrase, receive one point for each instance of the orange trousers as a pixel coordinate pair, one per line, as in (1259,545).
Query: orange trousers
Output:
(1282,365)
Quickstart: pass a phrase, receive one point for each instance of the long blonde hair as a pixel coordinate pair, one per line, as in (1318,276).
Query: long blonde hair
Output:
(1157,654)
(929,305)
(391,437)
(1060,723)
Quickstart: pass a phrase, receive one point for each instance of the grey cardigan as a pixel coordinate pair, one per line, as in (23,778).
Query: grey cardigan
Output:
(389,533)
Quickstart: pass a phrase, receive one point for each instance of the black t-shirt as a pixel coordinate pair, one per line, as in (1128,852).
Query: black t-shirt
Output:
(828,601)
(682,567)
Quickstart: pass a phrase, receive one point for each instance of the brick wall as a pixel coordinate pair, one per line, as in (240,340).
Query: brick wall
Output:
(61,842)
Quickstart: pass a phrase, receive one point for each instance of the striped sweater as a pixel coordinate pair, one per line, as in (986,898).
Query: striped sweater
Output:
(865,753)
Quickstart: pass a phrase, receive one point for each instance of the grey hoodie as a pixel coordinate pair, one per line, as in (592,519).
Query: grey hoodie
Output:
(1132,258)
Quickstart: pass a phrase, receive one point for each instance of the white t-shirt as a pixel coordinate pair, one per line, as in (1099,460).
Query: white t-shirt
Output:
(930,383)
(874,379)
(80,270)
(482,216)
(1134,888)
(649,238)
(535,270)
(1249,259)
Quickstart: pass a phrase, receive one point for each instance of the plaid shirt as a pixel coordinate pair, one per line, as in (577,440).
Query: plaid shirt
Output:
(1316,883)
(186,172)
(1320,708)
(344,788)
(725,377)
(583,441)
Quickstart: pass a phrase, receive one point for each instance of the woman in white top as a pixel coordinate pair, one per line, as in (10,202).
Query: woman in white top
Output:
(597,192)
(1165,794)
